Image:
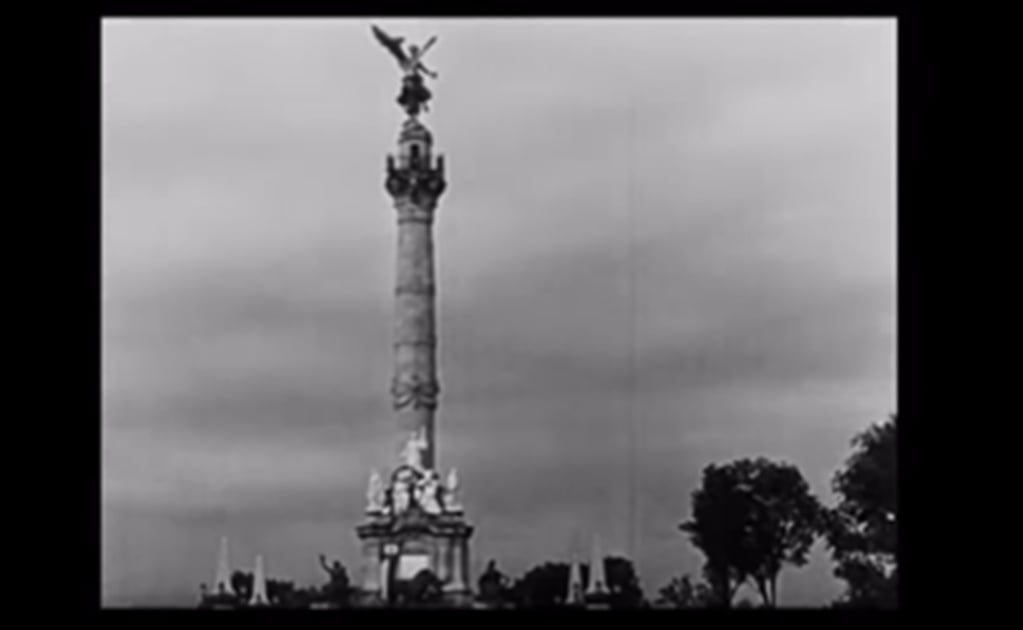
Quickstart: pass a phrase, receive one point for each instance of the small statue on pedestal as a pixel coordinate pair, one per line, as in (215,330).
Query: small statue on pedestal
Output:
(375,495)
(451,502)
(401,495)
(412,454)
(427,492)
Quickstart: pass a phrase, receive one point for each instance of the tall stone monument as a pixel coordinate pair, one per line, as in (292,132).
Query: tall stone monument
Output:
(414,519)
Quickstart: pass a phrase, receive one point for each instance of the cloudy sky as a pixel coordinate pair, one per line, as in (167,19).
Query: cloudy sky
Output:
(685,229)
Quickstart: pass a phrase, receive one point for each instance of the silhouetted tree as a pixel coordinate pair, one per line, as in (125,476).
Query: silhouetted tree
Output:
(542,586)
(303,598)
(279,592)
(862,529)
(750,518)
(682,593)
(787,520)
(546,585)
(623,582)
(241,582)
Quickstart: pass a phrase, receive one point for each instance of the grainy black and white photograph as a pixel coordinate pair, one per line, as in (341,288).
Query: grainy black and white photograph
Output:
(591,313)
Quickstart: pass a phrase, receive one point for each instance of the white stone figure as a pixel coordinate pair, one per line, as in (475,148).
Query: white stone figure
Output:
(375,494)
(222,582)
(400,495)
(412,453)
(259,597)
(451,501)
(598,583)
(428,491)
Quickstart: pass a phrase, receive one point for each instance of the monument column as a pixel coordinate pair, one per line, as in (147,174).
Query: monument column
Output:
(463,564)
(415,181)
(414,517)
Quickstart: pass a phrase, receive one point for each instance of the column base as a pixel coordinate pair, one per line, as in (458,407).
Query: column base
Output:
(418,535)
(461,598)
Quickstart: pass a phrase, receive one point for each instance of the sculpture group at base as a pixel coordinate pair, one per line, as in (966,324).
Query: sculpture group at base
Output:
(413,486)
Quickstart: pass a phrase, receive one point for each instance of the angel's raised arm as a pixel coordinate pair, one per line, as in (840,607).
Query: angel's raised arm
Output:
(426,71)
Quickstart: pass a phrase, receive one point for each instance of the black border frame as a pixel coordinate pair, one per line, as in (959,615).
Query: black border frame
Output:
(80,64)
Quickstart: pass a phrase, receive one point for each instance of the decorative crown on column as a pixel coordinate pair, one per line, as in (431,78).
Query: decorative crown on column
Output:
(415,176)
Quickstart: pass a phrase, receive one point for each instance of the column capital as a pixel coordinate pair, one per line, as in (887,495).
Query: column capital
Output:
(409,212)
(419,180)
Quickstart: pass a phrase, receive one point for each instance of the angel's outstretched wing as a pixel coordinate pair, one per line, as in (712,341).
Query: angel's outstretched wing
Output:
(392,44)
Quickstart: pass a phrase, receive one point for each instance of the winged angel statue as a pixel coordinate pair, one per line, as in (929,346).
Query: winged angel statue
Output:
(414,93)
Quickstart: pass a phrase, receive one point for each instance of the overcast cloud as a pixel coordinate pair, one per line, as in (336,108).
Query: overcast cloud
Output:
(686,223)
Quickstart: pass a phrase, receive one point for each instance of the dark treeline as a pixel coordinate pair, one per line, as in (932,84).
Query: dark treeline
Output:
(750,518)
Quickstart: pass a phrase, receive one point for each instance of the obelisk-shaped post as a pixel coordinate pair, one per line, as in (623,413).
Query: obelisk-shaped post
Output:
(597,583)
(222,581)
(575,584)
(259,597)
(415,181)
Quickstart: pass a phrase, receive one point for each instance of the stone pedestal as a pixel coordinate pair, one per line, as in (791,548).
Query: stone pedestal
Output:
(395,548)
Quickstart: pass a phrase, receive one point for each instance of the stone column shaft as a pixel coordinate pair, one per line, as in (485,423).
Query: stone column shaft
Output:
(415,340)
(415,181)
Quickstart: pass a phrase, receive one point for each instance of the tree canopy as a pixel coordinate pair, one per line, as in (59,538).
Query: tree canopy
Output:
(546,584)
(542,586)
(750,518)
(680,592)
(862,529)
(623,582)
